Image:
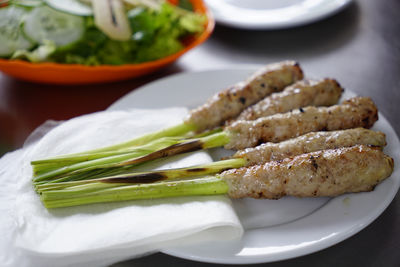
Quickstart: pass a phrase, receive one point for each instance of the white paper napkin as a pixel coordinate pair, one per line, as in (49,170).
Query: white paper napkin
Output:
(101,234)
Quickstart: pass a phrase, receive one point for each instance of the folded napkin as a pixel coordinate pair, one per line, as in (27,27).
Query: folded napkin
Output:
(101,234)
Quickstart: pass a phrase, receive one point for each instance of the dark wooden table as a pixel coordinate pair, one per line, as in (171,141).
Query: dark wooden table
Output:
(360,47)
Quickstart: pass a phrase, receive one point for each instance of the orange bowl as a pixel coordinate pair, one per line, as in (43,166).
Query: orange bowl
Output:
(55,73)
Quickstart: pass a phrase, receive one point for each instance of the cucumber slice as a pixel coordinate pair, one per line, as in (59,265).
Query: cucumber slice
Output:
(44,23)
(11,37)
(27,3)
(74,7)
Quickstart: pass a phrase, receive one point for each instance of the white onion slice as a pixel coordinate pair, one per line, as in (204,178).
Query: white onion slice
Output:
(110,17)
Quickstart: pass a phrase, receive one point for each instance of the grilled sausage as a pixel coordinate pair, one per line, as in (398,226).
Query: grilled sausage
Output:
(322,173)
(230,102)
(303,93)
(355,112)
(311,142)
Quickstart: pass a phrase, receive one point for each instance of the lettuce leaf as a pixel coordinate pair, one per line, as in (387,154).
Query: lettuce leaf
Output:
(155,34)
(39,54)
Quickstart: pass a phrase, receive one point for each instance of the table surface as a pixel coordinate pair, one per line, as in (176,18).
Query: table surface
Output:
(360,47)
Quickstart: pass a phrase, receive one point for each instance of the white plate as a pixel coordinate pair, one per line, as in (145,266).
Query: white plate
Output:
(272,14)
(274,229)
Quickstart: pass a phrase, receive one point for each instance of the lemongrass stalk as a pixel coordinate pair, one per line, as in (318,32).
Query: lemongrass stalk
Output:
(207,133)
(145,185)
(60,161)
(87,175)
(176,130)
(45,168)
(202,186)
(189,145)
(47,165)
(97,162)
(148,177)
(64,173)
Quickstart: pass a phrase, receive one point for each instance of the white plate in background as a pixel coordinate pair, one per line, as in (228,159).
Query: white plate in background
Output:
(274,229)
(272,14)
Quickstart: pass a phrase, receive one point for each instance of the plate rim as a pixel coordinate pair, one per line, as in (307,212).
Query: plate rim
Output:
(337,6)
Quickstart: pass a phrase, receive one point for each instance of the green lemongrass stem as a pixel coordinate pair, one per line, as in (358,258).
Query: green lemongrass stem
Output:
(60,162)
(47,165)
(104,170)
(86,156)
(190,145)
(147,177)
(134,153)
(213,185)
(65,173)
(207,133)
(87,175)
(176,130)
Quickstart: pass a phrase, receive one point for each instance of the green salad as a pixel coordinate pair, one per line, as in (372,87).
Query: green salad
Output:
(95,32)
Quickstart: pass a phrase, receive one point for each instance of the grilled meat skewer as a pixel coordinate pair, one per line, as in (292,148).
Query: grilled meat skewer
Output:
(322,173)
(352,113)
(229,103)
(311,142)
(325,92)
(261,154)
(355,112)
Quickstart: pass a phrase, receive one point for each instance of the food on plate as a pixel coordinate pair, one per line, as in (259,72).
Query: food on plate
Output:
(124,163)
(311,142)
(325,92)
(46,169)
(323,173)
(100,32)
(228,103)
(133,177)
(304,145)
(62,192)
(263,153)
(354,112)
